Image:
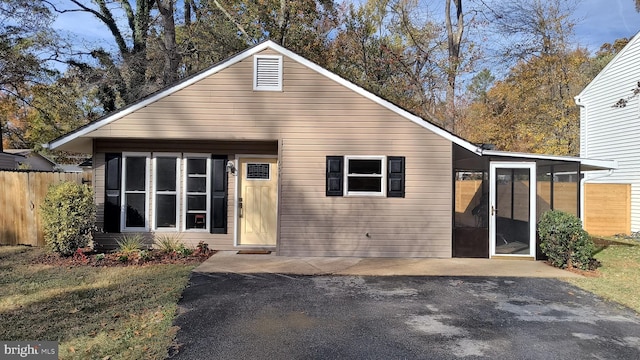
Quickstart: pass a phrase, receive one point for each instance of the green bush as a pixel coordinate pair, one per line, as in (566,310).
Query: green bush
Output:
(564,241)
(68,216)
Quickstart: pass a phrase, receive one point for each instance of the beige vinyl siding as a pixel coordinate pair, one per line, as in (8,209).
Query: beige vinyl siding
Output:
(312,117)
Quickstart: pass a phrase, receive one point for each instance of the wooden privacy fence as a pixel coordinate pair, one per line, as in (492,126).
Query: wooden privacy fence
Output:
(607,207)
(21,194)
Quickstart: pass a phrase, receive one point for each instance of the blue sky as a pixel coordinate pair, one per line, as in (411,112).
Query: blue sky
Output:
(599,21)
(605,21)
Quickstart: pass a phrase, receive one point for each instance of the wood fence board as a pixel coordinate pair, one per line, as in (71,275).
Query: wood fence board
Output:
(21,195)
(607,209)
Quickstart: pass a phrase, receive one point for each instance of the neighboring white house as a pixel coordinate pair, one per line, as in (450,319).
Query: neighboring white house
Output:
(610,122)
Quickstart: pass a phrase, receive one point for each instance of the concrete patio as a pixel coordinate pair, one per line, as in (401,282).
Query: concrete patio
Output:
(231,262)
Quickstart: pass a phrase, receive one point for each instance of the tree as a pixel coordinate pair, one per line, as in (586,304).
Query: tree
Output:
(124,75)
(454,42)
(25,47)
(532,109)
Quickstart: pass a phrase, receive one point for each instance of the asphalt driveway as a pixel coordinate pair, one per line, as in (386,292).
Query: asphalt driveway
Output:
(275,316)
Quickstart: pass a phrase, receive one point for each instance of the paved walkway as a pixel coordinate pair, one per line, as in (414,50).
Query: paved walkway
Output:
(231,262)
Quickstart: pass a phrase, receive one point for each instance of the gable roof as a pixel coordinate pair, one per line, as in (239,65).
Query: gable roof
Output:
(606,69)
(109,118)
(476,149)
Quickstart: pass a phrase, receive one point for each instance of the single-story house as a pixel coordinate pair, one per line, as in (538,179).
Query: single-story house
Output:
(268,150)
(610,122)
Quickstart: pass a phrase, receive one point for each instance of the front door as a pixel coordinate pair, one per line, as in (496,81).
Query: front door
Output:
(257,201)
(512,205)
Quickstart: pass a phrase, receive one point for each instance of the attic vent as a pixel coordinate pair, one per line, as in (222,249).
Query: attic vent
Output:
(267,71)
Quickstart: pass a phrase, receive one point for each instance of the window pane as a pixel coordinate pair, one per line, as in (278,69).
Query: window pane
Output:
(365,166)
(196,221)
(197,166)
(198,184)
(166,174)
(166,211)
(135,168)
(258,171)
(196,202)
(371,184)
(135,210)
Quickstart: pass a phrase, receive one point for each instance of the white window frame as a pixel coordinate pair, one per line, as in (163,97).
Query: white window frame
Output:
(185,211)
(257,87)
(123,197)
(177,192)
(382,177)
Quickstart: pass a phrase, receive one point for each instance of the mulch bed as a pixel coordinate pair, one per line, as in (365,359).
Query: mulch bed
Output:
(88,257)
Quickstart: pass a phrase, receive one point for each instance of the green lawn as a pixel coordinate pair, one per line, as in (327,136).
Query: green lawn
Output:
(619,278)
(94,312)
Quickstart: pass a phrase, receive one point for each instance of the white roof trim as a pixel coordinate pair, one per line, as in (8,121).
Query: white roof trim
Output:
(595,163)
(604,70)
(241,56)
(604,164)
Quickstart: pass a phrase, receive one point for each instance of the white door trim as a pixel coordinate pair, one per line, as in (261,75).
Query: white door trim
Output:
(236,212)
(532,205)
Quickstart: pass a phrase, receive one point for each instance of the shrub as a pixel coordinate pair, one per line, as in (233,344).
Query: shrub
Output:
(184,251)
(68,216)
(130,244)
(202,248)
(564,241)
(167,243)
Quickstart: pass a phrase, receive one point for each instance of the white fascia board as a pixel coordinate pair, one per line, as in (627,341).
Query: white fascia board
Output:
(596,164)
(135,107)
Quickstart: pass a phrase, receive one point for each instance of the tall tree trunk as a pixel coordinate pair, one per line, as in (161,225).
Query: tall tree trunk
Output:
(454,37)
(172,59)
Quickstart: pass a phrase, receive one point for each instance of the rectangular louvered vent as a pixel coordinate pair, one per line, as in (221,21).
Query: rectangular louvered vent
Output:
(267,72)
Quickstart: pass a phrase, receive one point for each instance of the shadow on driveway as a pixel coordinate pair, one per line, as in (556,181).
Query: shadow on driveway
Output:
(275,316)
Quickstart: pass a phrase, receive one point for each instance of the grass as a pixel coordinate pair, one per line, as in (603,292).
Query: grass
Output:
(93,312)
(619,278)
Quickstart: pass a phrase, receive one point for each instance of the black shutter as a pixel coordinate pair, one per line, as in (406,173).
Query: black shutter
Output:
(335,171)
(112,183)
(395,176)
(219,195)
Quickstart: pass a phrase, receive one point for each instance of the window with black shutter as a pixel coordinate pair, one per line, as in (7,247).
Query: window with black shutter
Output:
(365,176)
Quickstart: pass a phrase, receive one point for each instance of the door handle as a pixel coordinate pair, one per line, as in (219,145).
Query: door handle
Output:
(239,207)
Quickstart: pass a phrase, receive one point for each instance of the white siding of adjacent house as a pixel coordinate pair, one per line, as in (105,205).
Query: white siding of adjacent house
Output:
(608,132)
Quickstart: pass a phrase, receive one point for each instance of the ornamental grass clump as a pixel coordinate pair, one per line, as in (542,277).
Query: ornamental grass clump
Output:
(68,217)
(565,242)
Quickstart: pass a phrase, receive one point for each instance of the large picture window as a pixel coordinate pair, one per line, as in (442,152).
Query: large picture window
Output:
(166,180)
(165,192)
(135,192)
(197,191)
(365,175)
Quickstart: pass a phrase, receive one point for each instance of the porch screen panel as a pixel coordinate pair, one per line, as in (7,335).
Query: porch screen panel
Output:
(565,188)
